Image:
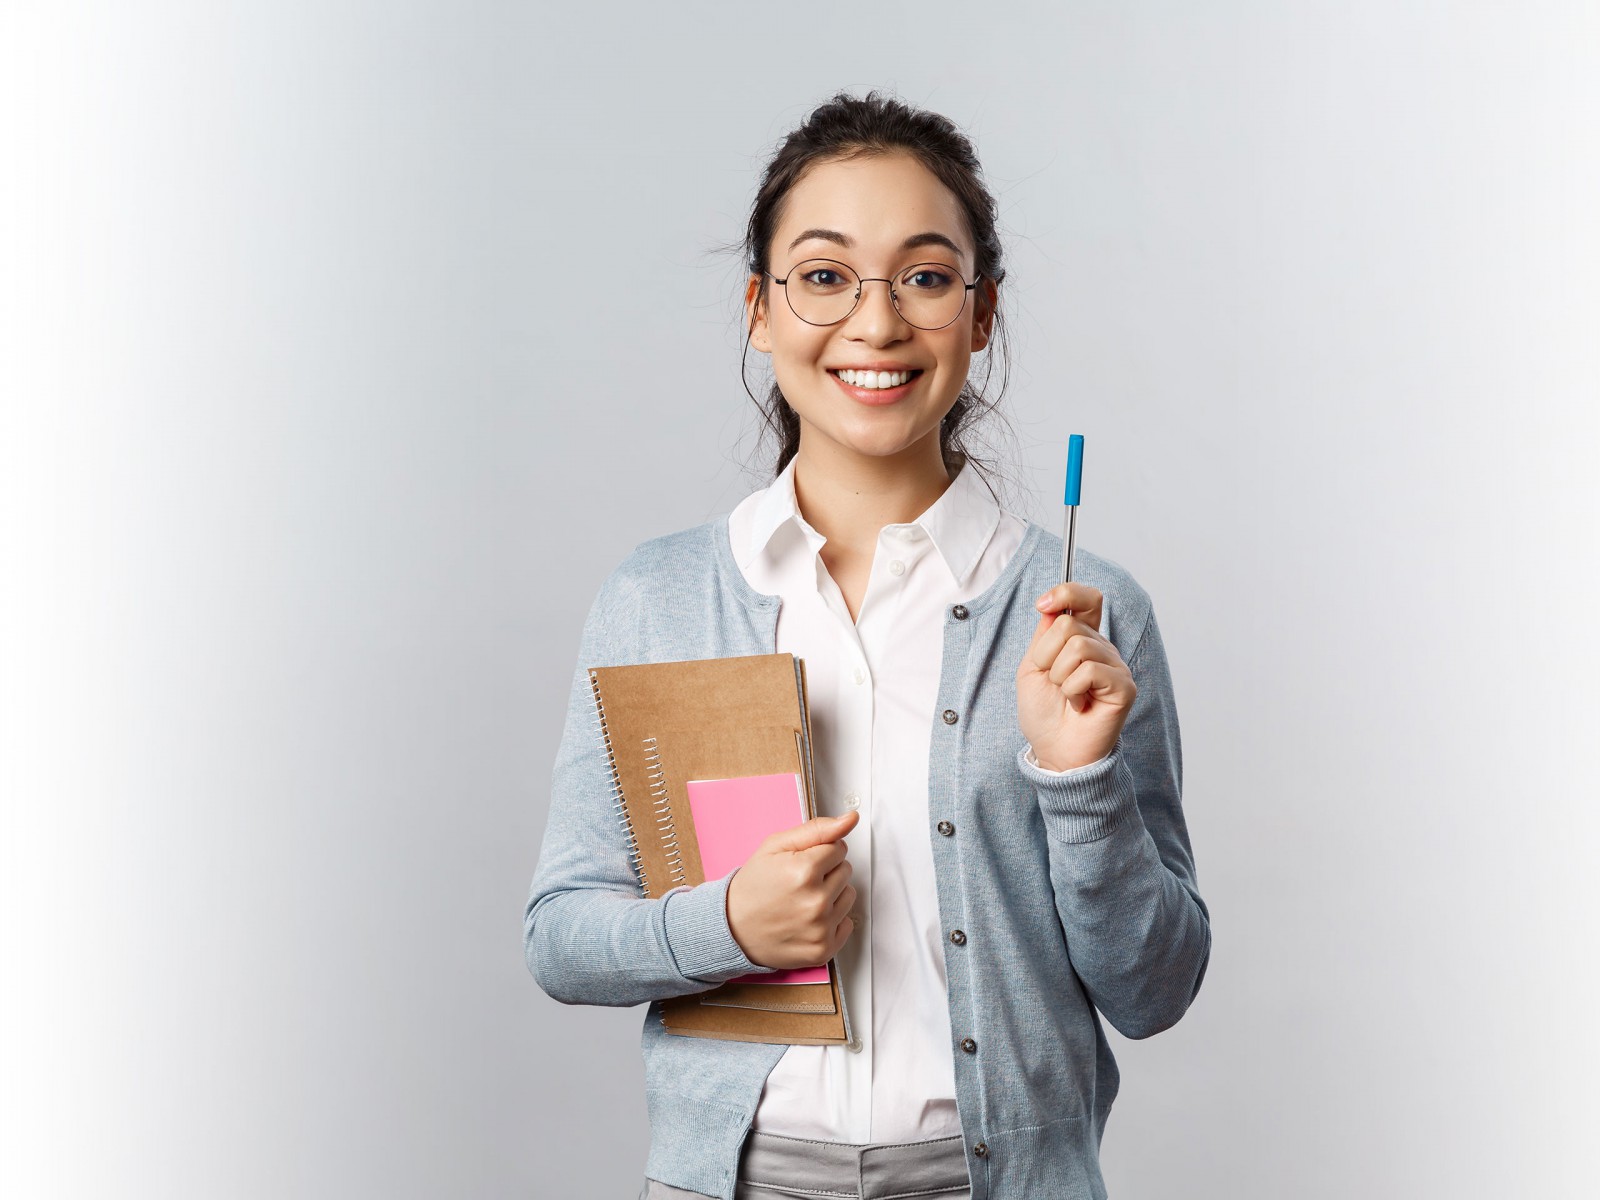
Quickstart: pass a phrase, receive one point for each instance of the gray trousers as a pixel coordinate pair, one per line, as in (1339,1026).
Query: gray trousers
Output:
(772,1167)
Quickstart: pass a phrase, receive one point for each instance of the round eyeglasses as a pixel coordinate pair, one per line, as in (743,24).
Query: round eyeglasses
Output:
(823,291)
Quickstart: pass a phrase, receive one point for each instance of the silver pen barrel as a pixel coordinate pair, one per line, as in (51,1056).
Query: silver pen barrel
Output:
(1068,536)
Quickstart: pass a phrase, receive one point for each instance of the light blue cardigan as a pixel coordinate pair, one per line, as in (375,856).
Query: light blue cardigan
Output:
(1076,892)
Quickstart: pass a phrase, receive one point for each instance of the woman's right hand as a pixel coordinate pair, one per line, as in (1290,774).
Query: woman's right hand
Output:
(787,903)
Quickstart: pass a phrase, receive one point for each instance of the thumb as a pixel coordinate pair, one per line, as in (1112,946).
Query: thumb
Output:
(815,832)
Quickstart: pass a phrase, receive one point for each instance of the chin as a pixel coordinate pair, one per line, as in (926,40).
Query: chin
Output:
(878,433)
(881,447)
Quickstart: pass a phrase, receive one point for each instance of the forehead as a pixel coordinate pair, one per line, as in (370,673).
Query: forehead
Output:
(875,201)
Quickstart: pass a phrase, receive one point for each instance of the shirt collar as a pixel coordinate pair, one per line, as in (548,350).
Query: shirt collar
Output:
(776,509)
(960,523)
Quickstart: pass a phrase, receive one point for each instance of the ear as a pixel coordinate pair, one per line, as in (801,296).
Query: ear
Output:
(755,316)
(988,300)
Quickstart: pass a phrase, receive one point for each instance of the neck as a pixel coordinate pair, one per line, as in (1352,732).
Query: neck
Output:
(849,498)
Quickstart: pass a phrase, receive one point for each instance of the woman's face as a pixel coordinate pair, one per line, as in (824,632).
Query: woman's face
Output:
(862,213)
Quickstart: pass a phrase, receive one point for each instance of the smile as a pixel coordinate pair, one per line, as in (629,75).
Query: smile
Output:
(876,387)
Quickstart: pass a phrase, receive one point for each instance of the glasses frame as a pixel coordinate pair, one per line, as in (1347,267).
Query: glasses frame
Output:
(862,280)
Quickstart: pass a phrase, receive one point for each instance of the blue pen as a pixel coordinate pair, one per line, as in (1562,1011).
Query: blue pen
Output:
(1074,481)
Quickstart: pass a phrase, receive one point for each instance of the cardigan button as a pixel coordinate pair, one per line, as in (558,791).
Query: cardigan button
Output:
(959,612)
(946,828)
(958,937)
(970,1046)
(950,717)
(981,1150)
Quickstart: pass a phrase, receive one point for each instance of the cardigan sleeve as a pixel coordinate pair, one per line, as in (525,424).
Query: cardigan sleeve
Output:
(589,936)
(1122,870)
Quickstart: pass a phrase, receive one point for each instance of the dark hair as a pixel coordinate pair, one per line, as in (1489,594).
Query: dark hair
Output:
(845,128)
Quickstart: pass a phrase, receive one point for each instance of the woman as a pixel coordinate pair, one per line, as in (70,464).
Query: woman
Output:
(1007,778)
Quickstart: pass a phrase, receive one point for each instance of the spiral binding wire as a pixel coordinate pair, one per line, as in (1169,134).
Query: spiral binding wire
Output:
(617,801)
(656,776)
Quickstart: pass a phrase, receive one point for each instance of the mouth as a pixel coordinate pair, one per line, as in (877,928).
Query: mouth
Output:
(875,387)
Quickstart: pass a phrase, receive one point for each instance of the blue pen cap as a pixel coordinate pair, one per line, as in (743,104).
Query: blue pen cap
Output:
(1074,467)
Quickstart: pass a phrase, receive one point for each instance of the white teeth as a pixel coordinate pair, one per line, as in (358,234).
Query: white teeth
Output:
(875,379)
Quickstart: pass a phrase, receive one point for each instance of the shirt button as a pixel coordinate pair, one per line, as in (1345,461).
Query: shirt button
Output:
(970,1046)
(958,937)
(959,612)
(897,567)
(946,828)
(853,1045)
(851,800)
(981,1150)
(950,717)
(861,675)
(912,533)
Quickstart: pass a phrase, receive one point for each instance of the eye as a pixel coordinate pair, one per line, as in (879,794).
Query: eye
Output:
(928,278)
(814,276)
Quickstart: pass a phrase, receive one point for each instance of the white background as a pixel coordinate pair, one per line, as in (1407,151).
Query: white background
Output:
(346,347)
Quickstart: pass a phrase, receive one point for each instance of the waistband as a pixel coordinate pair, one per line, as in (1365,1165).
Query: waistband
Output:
(926,1170)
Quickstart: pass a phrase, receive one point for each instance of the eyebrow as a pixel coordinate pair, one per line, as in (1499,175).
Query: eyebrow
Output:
(927,238)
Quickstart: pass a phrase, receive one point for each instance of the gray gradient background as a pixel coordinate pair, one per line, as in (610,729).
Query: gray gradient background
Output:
(346,348)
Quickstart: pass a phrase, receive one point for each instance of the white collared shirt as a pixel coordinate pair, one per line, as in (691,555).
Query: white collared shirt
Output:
(872,685)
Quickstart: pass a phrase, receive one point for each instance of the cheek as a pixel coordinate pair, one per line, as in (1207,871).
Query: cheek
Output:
(800,347)
(955,353)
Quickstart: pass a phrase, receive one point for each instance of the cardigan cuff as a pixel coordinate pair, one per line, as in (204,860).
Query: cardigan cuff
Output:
(1086,803)
(698,935)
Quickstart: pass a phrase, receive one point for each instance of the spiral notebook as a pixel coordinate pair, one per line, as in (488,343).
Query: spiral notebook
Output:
(704,755)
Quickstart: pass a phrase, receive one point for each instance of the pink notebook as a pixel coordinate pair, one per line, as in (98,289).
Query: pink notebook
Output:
(734,816)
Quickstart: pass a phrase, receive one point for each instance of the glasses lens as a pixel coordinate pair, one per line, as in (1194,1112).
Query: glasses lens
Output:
(928,295)
(822,291)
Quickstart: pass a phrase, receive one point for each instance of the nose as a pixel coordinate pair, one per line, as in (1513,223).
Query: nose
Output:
(876,319)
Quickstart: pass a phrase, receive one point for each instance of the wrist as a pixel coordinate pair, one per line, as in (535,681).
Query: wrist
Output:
(698,934)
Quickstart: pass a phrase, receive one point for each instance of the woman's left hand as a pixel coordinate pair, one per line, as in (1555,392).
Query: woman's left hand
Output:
(1074,691)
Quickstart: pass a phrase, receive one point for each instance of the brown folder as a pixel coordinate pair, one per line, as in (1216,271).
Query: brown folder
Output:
(717,718)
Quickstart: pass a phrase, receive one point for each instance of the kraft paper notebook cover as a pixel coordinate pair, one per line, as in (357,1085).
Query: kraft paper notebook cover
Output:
(667,724)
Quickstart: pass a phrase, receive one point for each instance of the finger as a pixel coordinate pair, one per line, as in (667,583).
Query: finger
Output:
(815,832)
(1048,639)
(1079,649)
(842,904)
(1079,598)
(818,861)
(1098,680)
(836,880)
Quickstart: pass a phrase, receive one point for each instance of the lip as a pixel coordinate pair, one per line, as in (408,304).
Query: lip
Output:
(877,397)
(883,364)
